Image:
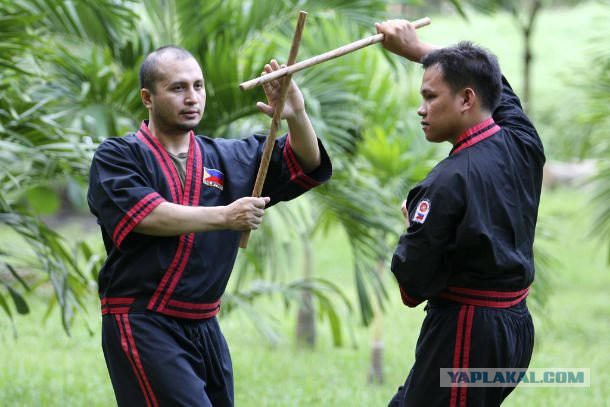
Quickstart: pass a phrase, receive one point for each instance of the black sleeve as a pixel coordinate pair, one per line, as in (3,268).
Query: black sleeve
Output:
(120,194)
(285,178)
(436,206)
(510,115)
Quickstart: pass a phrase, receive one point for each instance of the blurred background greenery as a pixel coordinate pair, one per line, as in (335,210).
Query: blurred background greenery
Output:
(311,314)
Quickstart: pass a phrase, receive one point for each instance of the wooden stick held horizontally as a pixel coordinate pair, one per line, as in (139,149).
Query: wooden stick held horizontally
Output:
(275,121)
(335,53)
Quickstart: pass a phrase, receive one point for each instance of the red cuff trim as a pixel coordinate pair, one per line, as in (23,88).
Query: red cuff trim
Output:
(135,215)
(409,301)
(296,172)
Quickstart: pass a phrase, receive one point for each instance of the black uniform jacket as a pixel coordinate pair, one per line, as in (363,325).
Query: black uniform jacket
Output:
(472,219)
(182,276)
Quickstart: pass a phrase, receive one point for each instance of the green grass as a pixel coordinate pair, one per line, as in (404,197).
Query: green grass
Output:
(44,367)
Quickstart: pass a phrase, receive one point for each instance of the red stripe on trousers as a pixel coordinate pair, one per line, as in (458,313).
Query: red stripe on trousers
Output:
(128,341)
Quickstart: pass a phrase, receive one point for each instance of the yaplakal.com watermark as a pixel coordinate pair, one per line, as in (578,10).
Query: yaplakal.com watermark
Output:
(535,377)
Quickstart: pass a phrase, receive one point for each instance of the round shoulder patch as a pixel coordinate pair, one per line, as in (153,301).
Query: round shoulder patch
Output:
(421,211)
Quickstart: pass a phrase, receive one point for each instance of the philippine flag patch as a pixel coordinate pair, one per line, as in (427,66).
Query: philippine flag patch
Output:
(421,212)
(213,178)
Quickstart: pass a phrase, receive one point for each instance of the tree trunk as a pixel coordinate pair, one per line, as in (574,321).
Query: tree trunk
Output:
(377,345)
(306,317)
(526,30)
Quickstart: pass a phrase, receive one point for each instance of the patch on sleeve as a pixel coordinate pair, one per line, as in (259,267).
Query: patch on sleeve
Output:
(421,212)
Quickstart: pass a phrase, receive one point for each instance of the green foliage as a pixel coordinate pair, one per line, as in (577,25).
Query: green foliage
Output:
(38,148)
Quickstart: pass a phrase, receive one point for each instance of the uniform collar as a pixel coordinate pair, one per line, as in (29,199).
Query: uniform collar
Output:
(473,135)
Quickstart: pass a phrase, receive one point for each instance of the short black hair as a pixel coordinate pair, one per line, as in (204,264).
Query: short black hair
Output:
(149,74)
(468,65)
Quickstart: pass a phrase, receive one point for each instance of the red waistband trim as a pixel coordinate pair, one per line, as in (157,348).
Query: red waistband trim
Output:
(485,298)
(116,305)
(179,309)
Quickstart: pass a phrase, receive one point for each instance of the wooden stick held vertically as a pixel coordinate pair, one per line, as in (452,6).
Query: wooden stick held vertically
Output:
(275,121)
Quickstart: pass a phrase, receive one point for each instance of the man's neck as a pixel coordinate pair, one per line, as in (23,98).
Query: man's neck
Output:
(174,142)
(471,121)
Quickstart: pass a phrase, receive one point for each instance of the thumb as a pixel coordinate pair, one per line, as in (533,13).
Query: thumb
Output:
(268,110)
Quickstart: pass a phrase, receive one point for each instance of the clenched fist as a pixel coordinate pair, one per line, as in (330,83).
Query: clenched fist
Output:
(246,213)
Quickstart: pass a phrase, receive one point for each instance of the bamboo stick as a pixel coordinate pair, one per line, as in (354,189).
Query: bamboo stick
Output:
(318,59)
(275,121)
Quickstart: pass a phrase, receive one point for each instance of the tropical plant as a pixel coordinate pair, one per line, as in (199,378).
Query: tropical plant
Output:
(597,121)
(37,150)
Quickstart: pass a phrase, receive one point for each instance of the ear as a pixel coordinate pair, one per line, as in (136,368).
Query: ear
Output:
(145,95)
(469,98)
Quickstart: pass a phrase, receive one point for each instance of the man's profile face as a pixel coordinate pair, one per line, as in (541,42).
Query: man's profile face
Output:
(178,99)
(440,108)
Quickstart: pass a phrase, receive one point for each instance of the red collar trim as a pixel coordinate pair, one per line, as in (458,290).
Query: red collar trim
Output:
(171,174)
(475,134)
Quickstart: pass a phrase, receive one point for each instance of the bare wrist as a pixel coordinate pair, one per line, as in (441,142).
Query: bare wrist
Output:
(297,117)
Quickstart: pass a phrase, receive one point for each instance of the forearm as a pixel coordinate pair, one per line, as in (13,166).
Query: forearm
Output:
(304,142)
(169,219)
(418,52)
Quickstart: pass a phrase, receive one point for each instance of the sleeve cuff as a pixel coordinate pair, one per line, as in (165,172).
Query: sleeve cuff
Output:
(408,300)
(315,177)
(135,215)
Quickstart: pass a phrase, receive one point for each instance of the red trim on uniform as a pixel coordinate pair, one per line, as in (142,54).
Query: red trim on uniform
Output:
(191,310)
(483,298)
(190,315)
(475,134)
(141,209)
(476,139)
(169,170)
(486,293)
(296,172)
(166,276)
(466,350)
(173,273)
(483,303)
(408,300)
(129,347)
(194,306)
(475,129)
(457,353)
(190,239)
(116,305)
(198,168)
(188,179)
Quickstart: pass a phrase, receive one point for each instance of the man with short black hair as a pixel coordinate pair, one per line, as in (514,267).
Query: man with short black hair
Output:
(468,248)
(172,206)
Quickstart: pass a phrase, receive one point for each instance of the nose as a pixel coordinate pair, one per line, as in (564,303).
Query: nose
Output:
(190,96)
(422,110)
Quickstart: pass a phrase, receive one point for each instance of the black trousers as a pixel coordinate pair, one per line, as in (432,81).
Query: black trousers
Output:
(455,335)
(155,360)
